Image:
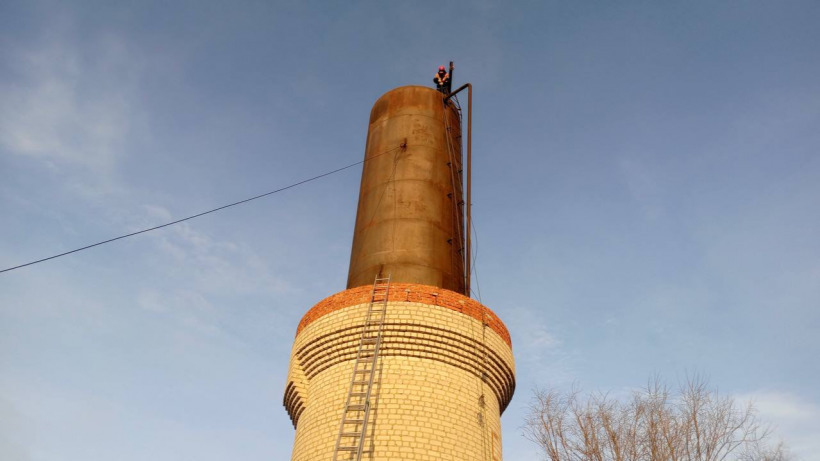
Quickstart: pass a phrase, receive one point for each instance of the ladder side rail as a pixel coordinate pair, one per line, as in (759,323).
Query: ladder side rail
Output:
(352,386)
(374,361)
(363,408)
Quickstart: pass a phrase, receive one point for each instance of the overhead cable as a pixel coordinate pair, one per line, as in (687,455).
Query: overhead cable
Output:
(199,214)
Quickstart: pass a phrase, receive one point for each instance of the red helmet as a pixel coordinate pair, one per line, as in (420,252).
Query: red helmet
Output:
(441,69)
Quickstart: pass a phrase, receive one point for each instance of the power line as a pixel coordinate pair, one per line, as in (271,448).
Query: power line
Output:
(199,214)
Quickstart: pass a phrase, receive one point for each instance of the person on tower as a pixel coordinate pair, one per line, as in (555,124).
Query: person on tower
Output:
(442,80)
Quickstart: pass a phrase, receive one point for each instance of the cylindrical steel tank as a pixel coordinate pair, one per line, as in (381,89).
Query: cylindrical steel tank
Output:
(409,222)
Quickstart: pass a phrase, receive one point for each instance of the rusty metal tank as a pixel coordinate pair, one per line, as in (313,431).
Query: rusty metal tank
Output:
(409,222)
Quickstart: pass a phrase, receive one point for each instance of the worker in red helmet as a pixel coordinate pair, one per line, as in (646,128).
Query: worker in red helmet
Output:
(442,80)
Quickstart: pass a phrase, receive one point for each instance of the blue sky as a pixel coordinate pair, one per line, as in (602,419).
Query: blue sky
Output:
(646,187)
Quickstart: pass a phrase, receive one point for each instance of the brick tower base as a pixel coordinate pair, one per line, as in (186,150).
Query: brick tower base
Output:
(445,375)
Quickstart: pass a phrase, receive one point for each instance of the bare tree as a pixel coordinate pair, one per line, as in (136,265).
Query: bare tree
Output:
(695,423)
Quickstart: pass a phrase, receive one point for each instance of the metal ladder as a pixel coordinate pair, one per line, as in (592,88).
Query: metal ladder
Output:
(353,429)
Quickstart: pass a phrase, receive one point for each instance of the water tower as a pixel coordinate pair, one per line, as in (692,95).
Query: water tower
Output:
(404,364)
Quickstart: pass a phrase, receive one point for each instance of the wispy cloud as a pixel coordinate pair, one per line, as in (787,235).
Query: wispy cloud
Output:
(191,308)
(210,265)
(70,109)
(796,420)
(539,350)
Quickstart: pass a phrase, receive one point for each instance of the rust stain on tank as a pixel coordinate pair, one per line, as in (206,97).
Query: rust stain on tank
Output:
(409,221)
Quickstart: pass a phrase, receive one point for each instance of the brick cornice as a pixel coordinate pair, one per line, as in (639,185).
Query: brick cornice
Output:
(411,293)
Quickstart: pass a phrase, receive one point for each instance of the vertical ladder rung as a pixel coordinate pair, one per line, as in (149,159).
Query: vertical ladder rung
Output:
(367,355)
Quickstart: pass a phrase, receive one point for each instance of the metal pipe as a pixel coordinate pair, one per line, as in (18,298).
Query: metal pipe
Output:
(450,82)
(468,267)
(469,224)
(466,85)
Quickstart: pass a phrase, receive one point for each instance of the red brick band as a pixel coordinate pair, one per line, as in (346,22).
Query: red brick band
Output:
(411,293)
